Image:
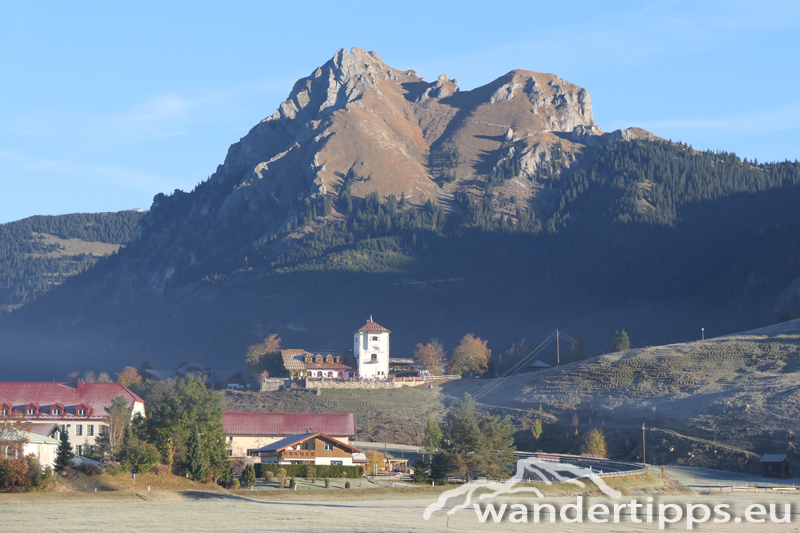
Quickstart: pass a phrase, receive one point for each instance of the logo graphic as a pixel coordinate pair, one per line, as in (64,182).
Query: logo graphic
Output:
(528,469)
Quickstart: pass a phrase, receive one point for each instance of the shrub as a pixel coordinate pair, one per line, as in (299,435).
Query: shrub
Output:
(270,475)
(160,469)
(292,483)
(280,483)
(113,468)
(320,471)
(138,454)
(327,483)
(347,485)
(89,469)
(249,475)
(46,481)
(310,472)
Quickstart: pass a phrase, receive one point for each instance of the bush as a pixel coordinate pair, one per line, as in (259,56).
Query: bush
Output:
(347,485)
(138,454)
(292,483)
(113,468)
(18,475)
(352,472)
(249,475)
(269,475)
(89,469)
(160,469)
(327,483)
(46,481)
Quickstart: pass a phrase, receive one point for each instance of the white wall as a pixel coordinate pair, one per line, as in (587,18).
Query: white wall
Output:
(366,345)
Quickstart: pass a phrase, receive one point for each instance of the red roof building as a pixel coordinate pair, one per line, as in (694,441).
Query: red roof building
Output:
(77,408)
(250,431)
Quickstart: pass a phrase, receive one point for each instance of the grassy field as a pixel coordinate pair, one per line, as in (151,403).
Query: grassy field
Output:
(706,402)
(76,246)
(310,511)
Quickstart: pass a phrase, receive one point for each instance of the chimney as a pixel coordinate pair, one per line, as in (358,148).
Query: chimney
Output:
(79,386)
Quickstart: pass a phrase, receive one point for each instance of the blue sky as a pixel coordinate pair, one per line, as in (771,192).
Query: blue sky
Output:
(105,104)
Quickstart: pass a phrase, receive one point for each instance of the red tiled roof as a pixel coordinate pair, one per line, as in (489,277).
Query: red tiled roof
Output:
(372,327)
(284,424)
(95,396)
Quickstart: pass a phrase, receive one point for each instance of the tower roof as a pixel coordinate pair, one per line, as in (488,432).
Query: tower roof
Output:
(372,327)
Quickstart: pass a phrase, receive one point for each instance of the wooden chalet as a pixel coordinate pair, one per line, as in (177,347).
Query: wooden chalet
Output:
(308,448)
(775,465)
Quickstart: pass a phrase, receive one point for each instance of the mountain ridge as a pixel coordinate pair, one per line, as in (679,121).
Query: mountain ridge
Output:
(368,184)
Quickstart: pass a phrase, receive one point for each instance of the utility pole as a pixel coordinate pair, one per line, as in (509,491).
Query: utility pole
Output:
(558,349)
(702,333)
(644,448)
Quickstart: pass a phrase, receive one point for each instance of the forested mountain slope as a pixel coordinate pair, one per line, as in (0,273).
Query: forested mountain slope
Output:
(40,252)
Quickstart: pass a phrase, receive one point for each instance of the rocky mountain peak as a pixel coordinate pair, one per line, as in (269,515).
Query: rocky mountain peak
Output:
(405,136)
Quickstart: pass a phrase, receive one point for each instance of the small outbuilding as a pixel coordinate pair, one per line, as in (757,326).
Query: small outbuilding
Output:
(775,465)
(536,366)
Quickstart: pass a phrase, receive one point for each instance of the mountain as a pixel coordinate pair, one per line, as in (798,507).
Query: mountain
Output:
(40,252)
(504,211)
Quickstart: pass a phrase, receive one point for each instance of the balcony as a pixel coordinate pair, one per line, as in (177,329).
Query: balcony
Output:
(298,454)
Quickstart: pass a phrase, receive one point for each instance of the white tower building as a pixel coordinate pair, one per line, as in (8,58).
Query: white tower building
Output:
(371,351)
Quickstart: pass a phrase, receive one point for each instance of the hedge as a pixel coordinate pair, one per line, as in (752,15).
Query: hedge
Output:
(322,471)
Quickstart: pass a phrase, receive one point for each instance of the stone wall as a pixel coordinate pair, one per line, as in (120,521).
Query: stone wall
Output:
(333,384)
(273,384)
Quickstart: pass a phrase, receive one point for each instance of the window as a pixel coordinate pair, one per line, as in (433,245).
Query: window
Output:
(375,338)
(374,358)
(81,412)
(79,449)
(30,411)
(90,430)
(230,452)
(56,411)
(339,463)
(5,412)
(328,447)
(308,445)
(78,430)
(251,453)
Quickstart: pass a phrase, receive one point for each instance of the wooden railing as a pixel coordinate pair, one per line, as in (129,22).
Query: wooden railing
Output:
(299,454)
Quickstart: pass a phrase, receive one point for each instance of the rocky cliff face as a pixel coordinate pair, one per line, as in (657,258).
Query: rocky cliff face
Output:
(357,112)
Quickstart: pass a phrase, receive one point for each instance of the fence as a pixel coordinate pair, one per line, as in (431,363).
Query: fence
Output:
(619,468)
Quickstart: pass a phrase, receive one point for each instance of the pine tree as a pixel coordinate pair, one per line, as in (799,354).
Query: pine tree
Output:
(621,342)
(198,464)
(578,351)
(65,455)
